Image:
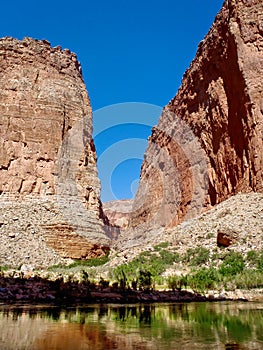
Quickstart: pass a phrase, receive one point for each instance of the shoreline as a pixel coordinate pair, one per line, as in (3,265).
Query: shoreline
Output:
(39,291)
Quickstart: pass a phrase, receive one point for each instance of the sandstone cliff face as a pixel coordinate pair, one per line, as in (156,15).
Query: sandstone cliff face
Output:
(118,212)
(207,145)
(46,147)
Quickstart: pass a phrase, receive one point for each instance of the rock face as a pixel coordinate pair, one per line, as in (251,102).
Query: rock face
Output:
(226,237)
(118,212)
(46,148)
(207,145)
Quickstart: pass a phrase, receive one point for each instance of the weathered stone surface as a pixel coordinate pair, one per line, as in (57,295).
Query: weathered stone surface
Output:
(207,145)
(226,236)
(46,146)
(71,245)
(118,212)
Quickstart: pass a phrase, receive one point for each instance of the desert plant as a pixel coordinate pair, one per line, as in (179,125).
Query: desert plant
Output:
(177,282)
(204,279)
(145,280)
(160,246)
(233,264)
(249,278)
(197,256)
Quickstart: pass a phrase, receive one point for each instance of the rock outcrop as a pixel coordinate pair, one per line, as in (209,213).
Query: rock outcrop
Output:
(207,145)
(118,212)
(47,155)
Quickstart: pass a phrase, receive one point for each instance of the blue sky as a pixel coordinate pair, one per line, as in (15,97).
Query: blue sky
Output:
(130,51)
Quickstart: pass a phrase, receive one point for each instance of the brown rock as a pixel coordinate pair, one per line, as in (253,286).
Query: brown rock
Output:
(71,245)
(46,147)
(207,145)
(226,237)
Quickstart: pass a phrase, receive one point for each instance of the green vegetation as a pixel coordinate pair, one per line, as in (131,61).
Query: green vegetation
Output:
(196,256)
(5,268)
(232,265)
(204,279)
(82,263)
(203,270)
(177,282)
(160,246)
(155,262)
(216,270)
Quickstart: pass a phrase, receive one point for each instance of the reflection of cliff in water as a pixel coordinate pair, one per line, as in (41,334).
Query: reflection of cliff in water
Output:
(165,326)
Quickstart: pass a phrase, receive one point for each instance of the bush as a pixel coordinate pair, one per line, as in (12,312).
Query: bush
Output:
(204,279)
(232,265)
(260,262)
(82,263)
(122,279)
(145,280)
(169,257)
(177,282)
(103,283)
(252,257)
(197,256)
(249,279)
(161,246)
(156,264)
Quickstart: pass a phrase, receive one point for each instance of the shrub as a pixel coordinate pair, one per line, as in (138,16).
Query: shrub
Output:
(134,284)
(249,279)
(156,264)
(122,280)
(203,279)
(252,257)
(103,283)
(159,247)
(197,256)
(168,257)
(233,264)
(145,280)
(260,262)
(177,282)
(82,263)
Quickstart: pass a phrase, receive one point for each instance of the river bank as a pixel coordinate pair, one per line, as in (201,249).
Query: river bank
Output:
(41,290)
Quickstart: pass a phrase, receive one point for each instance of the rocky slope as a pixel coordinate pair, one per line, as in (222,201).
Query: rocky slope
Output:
(207,145)
(49,186)
(239,217)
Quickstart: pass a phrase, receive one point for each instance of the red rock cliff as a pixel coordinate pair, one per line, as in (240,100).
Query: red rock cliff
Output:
(46,147)
(207,145)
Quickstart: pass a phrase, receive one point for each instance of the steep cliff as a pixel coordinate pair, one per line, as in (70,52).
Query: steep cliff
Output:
(207,145)
(47,156)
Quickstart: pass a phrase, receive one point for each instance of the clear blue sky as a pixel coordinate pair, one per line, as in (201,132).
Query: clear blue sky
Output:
(130,51)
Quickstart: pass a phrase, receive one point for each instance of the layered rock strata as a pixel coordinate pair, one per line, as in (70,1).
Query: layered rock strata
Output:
(46,148)
(118,212)
(207,145)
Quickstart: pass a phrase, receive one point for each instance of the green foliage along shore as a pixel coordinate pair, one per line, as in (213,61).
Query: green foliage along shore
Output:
(205,270)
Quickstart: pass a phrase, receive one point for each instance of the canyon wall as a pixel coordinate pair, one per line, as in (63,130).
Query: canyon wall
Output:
(118,212)
(48,175)
(207,145)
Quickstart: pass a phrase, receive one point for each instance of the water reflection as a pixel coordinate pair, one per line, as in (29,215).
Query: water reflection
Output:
(152,326)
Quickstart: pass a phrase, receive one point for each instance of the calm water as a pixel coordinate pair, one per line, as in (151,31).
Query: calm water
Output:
(155,326)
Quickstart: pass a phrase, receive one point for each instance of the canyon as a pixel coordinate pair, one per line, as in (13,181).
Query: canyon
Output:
(205,150)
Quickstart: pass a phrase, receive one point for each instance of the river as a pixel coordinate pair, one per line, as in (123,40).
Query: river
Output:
(208,325)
